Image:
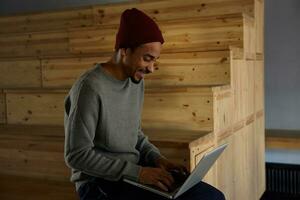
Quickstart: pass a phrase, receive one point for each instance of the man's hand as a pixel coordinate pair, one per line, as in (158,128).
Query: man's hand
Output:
(156,176)
(169,166)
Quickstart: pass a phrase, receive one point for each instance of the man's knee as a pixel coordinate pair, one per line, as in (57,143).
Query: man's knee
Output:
(203,191)
(219,195)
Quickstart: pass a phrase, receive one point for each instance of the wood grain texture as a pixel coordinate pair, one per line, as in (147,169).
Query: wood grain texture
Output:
(33,152)
(191,69)
(47,21)
(2,108)
(259,25)
(35,107)
(208,43)
(182,109)
(259,151)
(29,188)
(62,73)
(173,9)
(249,37)
(110,14)
(183,112)
(20,74)
(259,85)
(40,44)
(37,151)
(222,108)
(242,82)
(173,69)
(209,33)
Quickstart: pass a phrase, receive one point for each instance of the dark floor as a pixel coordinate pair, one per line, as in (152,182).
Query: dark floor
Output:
(279,196)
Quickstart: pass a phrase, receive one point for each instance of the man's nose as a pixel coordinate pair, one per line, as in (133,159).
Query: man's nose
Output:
(150,68)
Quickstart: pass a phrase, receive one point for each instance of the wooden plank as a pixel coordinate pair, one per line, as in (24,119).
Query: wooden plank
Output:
(181,109)
(46,21)
(174,69)
(251,173)
(45,144)
(34,44)
(223,106)
(249,88)
(33,152)
(259,25)
(35,108)
(173,9)
(211,33)
(38,168)
(259,85)
(260,155)
(20,74)
(191,69)
(236,53)
(240,165)
(62,73)
(242,81)
(29,188)
(2,108)
(174,138)
(110,14)
(249,37)
(225,168)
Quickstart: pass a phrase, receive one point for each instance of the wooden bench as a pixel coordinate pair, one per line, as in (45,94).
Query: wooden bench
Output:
(32,164)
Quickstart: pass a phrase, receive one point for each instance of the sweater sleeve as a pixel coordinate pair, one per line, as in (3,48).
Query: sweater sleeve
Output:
(82,109)
(148,152)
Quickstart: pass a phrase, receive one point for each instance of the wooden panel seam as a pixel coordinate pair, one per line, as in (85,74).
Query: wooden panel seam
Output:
(260,113)
(224,133)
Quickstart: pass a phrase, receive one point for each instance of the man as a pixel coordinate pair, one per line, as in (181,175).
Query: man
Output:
(104,141)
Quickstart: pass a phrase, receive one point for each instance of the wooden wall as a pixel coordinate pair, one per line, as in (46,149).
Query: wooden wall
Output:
(207,88)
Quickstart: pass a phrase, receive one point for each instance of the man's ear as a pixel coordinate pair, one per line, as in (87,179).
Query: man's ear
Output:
(123,52)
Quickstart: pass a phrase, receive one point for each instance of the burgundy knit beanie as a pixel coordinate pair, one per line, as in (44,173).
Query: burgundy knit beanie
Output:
(137,28)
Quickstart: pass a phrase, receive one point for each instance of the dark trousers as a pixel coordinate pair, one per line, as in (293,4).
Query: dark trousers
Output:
(99,189)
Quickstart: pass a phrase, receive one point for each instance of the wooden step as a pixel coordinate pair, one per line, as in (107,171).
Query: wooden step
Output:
(110,14)
(33,151)
(32,164)
(37,151)
(29,188)
(184,108)
(189,35)
(172,69)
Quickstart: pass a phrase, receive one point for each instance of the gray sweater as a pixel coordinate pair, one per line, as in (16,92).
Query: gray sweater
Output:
(103,137)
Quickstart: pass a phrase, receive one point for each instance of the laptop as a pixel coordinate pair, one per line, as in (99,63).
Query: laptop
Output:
(191,180)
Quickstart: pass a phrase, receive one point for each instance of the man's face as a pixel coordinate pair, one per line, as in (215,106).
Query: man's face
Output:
(141,61)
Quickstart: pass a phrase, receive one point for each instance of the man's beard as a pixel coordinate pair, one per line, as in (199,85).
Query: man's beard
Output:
(135,81)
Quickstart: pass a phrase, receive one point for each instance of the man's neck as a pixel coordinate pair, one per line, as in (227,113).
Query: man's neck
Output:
(114,69)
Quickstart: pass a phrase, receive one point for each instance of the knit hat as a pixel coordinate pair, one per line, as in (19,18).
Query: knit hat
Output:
(137,28)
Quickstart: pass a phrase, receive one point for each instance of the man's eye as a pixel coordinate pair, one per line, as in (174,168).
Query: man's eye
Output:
(147,59)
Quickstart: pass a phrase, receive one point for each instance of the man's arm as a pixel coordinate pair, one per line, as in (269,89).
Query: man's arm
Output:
(149,153)
(81,120)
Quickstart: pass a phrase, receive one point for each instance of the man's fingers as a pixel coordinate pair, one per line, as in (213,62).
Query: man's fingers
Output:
(166,175)
(162,186)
